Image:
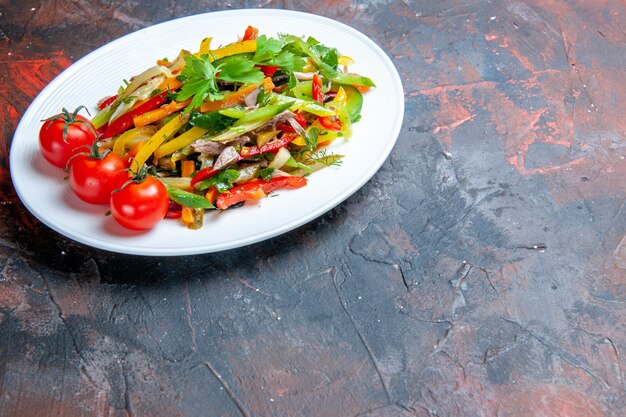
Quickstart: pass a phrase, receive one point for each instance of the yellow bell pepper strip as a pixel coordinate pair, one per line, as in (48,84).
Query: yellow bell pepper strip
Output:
(354,101)
(184,183)
(323,139)
(233,49)
(155,141)
(235,97)
(263,138)
(339,104)
(119,147)
(205,46)
(345,60)
(179,142)
(158,114)
(331,127)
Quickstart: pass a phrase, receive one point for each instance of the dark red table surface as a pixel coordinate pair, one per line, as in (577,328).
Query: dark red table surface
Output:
(481,272)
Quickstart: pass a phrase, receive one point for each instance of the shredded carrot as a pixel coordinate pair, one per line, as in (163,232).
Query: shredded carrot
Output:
(158,114)
(187,168)
(236,97)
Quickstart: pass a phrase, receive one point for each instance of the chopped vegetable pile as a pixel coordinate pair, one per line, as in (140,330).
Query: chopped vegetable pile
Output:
(210,130)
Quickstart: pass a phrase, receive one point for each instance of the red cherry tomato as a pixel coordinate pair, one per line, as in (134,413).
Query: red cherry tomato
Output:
(140,205)
(63,135)
(93,177)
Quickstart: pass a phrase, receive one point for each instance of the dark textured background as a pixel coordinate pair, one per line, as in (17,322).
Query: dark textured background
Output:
(481,272)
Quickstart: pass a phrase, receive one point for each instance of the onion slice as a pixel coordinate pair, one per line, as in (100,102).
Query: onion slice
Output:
(280,159)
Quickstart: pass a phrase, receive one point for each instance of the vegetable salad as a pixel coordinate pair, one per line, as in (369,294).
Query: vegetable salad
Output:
(211,129)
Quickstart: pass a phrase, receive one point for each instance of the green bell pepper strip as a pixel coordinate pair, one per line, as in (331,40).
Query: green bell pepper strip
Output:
(261,113)
(354,102)
(307,106)
(185,198)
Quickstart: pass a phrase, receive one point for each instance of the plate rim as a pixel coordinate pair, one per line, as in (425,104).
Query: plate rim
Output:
(336,200)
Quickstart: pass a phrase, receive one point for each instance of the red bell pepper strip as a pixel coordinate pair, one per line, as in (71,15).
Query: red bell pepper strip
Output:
(125,121)
(287,128)
(268,70)
(316,89)
(330,123)
(205,173)
(247,152)
(318,95)
(105,102)
(100,130)
(250,34)
(250,190)
(273,146)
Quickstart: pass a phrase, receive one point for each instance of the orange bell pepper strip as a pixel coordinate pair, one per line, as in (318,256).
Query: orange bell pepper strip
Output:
(158,114)
(186,215)
(212,194)
(164,63)
(235,97)
(170,84)
(187,168)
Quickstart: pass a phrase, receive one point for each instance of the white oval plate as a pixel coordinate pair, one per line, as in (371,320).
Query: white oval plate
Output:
(44,192)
